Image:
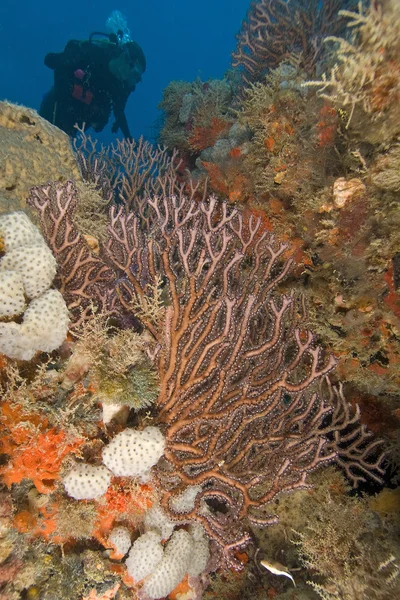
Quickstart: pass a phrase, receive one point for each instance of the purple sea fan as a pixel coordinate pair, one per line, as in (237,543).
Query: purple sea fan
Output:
(84,279)
(277,30)
(241,401)
(245,405)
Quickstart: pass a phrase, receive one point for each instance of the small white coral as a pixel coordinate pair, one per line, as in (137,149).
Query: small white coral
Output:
(163,567)
(184,502)
(144,556)
(87,482)
(44,328)
(173,566)
(13,342)
(201,550)
(132,453)
(27,270)
(17,230)
(120,540)
(156,519)
(12,299)
(116,411)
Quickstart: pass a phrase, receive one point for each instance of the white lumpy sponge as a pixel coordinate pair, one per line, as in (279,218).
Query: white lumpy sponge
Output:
(146,553)
(201,550)
(120,539)
(173,566)
(12,298)
(44,328)
(184,502)
(35,265)
(16,230)
(87,482)
(27,270)
(132,453)
(26,253)
(46,318)
(162,568)
(156,519)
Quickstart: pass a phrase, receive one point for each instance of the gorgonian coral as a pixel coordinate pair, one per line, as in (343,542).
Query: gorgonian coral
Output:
(242,403)
(276,29)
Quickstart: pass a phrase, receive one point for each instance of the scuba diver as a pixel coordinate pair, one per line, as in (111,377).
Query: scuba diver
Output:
(93,78)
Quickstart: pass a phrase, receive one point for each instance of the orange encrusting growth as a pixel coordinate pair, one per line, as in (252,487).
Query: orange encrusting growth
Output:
(123,504)
(181,590)
(203,137)
(108,595)
(34,452)
(42,524)
(392,299)
(327,126)
(228,182)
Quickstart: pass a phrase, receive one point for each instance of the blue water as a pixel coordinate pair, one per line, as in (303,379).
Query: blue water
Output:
(181,40)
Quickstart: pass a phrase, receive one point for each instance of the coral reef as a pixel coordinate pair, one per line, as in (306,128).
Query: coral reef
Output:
(273,30)
(200,325)
(329,185)
(365,79)
(211,371)
(151,454)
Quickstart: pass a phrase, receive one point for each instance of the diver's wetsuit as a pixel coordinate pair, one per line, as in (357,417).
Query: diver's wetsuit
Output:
(91,79)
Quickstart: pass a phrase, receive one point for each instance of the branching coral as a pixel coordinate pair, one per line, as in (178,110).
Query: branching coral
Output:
(243,416)
(134,169)
(84,278)
(274,29)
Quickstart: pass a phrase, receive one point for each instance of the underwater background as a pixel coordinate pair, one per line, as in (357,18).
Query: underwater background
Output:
(180,40)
